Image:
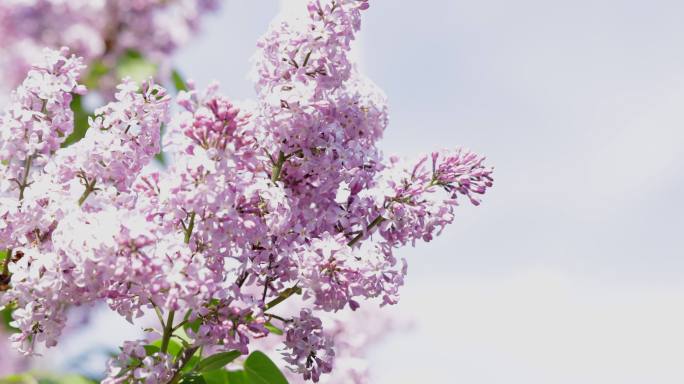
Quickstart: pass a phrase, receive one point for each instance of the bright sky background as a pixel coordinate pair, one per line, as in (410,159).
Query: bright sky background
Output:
(571,270)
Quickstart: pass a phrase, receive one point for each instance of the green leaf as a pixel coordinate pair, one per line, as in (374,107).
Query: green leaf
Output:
(260,369)
(97,70)
(132,64)
(45,378)
(161,157)
(6,318)
(173,349)
(80,121)
(182,335)
(178,81)
(237,377)
(19,379)
(218,376)
(192,378)
(192,363)
(151,349)
(273,329)
(217,361)
(3,255)
(194,325)
(64,379)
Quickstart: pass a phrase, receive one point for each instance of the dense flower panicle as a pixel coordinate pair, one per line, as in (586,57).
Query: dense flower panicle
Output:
(309,350)
(464,174)
(310,53)
(261,201)
(32,128)
(99,31)
(335,275)
(38,118)
(229,325)
(123,137)
(413,202)
(318,119)
(56,269)
(352,334)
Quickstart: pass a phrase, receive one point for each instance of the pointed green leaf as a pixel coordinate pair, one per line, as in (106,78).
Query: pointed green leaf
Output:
(237,377)
(178,81)
(80,121)
(194,325)
(218,376)
(217,361)
(161,156)
(192,363)
(173,349)
(260,369)
(151,349)
(273,329)
(221,376)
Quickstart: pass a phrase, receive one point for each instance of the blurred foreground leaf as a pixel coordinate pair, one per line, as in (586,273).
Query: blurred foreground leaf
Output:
(45,378)
(134,65)
(178,81)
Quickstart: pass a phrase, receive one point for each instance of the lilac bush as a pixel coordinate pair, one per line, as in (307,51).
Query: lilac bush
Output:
(99,31)
(271,215)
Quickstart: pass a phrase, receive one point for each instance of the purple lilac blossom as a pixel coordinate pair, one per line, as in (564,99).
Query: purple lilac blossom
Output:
(262,200)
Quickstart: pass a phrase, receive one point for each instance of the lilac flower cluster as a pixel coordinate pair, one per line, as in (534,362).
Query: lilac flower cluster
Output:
(262,202)
(311,350)
(96,30)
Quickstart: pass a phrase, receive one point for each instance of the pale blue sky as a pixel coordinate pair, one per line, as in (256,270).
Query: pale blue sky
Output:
(571,270)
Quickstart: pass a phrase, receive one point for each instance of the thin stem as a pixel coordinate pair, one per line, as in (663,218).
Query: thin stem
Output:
(284,320)
(22,187)
(24,182)
(267,282)
(190,227)
(168,331)
(379,219)
(184,358)
(179,325)
(372,225)
(278,167)
(242,278)
(306,59)
(5,268)
(169,328)
(159,314)
(90,187)
(283,296)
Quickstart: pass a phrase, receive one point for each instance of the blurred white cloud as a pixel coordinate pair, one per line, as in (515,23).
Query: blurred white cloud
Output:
(537,326)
